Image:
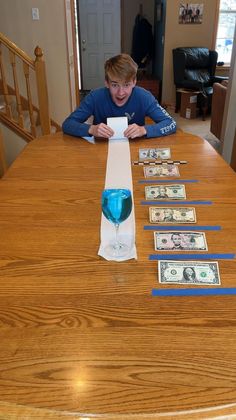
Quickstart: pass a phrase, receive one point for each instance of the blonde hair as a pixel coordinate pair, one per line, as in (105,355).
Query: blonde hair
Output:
(120,67)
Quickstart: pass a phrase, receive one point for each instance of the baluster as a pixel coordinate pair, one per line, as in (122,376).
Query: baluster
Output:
(42,91)
(17,92)
(31,110)
(3,165)
(4,85)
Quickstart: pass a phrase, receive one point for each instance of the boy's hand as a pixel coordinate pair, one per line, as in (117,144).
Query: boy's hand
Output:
(135,130)
(101,130)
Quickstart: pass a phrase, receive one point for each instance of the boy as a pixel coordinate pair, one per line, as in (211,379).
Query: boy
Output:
(120,97)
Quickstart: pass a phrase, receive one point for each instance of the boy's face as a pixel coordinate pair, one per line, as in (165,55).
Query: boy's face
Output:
(120,90)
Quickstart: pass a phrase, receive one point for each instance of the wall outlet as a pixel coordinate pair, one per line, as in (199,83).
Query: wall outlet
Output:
(35,13)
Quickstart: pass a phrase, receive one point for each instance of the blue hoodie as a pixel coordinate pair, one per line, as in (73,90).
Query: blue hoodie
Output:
(141,103)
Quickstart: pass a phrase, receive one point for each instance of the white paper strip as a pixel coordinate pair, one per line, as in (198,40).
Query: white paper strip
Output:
(118,175)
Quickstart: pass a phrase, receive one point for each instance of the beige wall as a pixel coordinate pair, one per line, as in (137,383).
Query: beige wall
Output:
(180,35)
(13,144)
(50,34)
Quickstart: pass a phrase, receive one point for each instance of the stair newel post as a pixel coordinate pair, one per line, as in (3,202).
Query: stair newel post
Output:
(42,90)
(31,110)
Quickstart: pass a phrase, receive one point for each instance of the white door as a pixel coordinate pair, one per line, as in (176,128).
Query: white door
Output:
(100,38)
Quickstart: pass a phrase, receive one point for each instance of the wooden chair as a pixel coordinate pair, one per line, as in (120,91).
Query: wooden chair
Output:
(217,108)
(3,165)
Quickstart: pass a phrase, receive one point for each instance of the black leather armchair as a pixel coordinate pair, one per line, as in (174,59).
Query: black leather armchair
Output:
(194,69)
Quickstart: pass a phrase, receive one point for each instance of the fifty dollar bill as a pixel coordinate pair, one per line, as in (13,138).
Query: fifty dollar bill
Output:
(161,171)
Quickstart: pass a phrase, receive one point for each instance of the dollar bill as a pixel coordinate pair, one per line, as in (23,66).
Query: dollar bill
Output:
(189,272)
(172,215)
(165,192)
(161,171)
(180,241)
(154,154)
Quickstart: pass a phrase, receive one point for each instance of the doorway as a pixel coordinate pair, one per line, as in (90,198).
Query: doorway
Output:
(105,28)
(99,25)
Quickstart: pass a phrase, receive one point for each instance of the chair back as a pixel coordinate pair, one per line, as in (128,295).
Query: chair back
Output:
(194,64)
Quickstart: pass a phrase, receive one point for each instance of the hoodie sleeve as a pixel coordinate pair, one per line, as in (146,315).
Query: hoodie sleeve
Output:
(75,124)
(163,125)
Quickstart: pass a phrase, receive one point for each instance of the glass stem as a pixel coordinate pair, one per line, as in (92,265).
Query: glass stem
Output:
(117,232)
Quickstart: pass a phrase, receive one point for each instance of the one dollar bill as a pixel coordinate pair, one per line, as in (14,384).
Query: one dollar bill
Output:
(189,272)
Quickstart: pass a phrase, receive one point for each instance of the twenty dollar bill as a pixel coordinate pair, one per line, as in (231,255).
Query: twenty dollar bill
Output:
(163,192)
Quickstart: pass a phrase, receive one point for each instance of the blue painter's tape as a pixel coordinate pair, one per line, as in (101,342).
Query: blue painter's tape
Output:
(154,203)
(169,181)
(195,292)
(157,227)
(173,256)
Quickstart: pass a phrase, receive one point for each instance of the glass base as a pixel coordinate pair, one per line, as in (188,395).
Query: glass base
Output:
(117,250)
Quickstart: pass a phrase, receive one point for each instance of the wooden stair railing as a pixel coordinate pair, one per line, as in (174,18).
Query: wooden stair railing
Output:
(14,81)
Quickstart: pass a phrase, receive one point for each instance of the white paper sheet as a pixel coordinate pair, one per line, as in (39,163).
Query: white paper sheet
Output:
(118,125)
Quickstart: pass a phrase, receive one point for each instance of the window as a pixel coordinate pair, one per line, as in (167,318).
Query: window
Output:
(225,30)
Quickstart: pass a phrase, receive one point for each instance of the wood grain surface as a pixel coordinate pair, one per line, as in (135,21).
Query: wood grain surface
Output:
(81,337)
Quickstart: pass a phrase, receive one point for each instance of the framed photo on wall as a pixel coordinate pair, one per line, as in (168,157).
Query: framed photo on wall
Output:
(190,13)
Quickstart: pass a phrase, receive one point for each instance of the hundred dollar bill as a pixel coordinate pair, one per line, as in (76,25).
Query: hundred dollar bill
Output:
(189,272)
(154,153)
(172,215)
(164,192)
(181,240)
(161,170)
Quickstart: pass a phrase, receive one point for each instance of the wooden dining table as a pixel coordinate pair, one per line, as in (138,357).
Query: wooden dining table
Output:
(84,338)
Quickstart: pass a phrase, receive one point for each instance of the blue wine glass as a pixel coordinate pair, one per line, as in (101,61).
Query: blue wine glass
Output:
(116,207)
